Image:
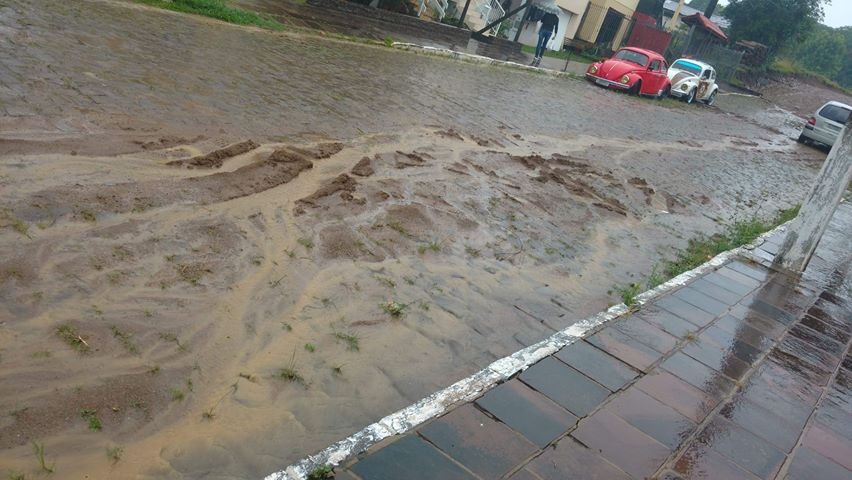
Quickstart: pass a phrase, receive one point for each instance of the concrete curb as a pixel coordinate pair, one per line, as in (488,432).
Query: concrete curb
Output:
(473,58)
(500,370)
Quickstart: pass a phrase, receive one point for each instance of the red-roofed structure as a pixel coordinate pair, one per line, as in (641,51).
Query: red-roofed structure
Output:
(700,21)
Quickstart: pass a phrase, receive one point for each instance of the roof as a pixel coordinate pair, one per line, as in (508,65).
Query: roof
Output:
(670,5)
(700,20)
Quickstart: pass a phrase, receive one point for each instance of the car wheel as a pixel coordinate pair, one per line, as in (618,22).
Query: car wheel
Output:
(636,88)
(664,92)
(802,138)
(690,97)
(711,100)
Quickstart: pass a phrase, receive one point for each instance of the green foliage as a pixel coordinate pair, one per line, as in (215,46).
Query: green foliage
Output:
(628,293)
(774,23)
(39,453)
(216,9)
(741,232)
(91,417)
(822,52)
(321,472)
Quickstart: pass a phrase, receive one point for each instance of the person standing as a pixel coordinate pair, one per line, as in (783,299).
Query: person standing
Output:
(549,24)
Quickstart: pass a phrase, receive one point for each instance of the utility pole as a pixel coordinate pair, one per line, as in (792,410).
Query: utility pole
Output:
(805,231)
(708,12)
(675,17)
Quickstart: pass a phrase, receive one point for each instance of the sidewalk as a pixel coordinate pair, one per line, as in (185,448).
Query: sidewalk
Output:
(743,373)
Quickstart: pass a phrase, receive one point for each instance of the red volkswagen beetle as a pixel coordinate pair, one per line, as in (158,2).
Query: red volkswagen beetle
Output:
(636,70)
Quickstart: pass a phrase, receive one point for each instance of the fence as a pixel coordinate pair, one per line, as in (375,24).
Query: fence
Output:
(489,11)
(703,46)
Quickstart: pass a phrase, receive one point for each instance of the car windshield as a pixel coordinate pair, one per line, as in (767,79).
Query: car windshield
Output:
(835,113)
(687,67)
(631,56)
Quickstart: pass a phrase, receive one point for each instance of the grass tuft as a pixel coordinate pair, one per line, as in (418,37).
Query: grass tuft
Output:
(394,308)
(114,453)
(91,416)
(217,9)
(351,341)
(321,472)
(70,335)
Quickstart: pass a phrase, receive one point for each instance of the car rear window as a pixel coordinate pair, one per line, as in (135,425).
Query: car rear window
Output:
(835,113)
(687,66)
(632,56)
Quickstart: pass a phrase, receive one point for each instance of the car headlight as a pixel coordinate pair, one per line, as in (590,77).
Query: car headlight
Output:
(684,87)
(593,69)
(625,79)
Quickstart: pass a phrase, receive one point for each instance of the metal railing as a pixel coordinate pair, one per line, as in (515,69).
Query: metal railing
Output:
(490,11)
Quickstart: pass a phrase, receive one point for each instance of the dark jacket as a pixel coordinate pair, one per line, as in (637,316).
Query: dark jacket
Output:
(549,22)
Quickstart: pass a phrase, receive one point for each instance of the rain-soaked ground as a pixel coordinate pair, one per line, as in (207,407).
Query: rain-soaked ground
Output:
(397,222)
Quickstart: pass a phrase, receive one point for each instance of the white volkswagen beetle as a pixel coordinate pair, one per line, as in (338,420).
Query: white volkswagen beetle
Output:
(693,80)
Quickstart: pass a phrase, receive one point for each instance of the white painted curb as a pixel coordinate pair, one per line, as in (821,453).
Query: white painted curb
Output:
(477,384)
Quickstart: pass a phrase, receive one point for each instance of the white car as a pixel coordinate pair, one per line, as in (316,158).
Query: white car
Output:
(826,124)
(693,80)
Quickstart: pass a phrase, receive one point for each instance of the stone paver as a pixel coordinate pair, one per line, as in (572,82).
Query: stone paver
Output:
(411,457)
(740,375)
(597,365)
(532,414)
(486,447)
(564,385)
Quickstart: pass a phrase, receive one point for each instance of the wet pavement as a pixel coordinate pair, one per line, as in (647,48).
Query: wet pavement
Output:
(743,373)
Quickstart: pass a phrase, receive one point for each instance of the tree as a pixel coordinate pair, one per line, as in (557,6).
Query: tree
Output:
(823,52)
(774,23)
(844,76)
(699,4)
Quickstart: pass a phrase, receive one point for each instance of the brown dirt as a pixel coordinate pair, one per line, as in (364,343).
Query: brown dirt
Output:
(216,158)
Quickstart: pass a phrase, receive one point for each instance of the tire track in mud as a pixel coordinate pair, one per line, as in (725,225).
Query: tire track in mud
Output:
(85,202)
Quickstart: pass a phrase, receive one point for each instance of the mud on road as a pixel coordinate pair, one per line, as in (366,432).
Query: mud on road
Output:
(234,247)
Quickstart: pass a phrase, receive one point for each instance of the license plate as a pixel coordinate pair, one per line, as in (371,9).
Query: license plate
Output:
(601,82)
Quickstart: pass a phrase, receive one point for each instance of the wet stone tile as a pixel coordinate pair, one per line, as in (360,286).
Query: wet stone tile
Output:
(625,348)
(647,334)
(654,418)
(700,462)
(764,256)
(829,331)
(810,358)
(412,458)
(741,343)
(829,444)
(564,385)
(729,284)
(836,300)
(716,292)
(571,459)
(807,464)
(528,412)
(792,377)
(597,365)
(721,360)
(818,340)
(686,311)
(743,447)
(755,330)
(832,315)
(710,305)
(483,445)
(763,423)
(524,474)
(622,444)
(667,321)
(699,375)
(750,270)
(783,404)
(771,246)
(730,274)
(676,393)
(771,311)
(833,416)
